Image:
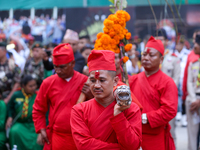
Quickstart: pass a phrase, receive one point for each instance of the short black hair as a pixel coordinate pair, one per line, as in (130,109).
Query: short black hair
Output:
(51,45)
(87,46)
(84,37)
(3,45)
(25,79)
(161,32)
(112,73)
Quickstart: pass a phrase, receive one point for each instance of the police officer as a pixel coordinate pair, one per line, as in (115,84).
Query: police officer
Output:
(171,67)
(34,66)
(193,98)
(9,75)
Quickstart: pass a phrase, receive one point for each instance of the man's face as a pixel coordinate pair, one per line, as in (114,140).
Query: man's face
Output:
(102,86)
(196,48)
(117,61)
(37,53)
(82,43)
(64,71)
(73,44)
(86,53)
(162,38)
(179,46)
(2,52)
(151,59)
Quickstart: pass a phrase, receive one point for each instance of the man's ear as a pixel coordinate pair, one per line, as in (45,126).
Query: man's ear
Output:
(116,79)
(161,59)
(73,63)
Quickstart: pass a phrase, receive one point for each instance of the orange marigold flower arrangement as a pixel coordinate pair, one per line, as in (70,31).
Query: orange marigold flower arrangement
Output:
(114,32)
(127,47)
(125,59)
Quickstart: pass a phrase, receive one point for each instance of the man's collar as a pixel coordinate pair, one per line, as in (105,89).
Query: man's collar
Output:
(68,79)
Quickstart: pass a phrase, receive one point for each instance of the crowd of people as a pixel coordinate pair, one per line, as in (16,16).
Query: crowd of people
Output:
(43,28)
(45,70)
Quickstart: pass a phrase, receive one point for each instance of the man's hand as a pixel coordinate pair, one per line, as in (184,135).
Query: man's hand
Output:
(45,56)
(39,139)
(86,90)
(118,109)
(195,106)
(44,136)
(6,100)
(9,122)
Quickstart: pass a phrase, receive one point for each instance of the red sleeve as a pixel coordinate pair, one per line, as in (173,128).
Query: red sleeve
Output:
(81,133)
(128,128)
(168,106)
(40,108)
(184,86)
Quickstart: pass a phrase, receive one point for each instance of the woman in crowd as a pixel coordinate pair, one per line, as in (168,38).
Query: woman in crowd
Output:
(22,131)
(133,65)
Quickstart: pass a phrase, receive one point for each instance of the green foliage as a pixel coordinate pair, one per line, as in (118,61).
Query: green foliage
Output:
(118,5)
(112,10)
(112,1)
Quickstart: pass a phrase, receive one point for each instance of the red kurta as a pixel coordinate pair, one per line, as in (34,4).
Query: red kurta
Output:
(191,58)
(95,127)
(158,95)
(59,96)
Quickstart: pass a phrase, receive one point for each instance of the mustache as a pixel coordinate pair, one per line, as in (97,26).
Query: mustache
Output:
(95,89)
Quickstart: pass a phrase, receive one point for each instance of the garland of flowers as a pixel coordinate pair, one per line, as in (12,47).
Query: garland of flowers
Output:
(115,34)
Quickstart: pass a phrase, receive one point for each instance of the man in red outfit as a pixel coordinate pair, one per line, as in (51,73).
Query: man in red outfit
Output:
(58,93)
(158,95)
(101,123)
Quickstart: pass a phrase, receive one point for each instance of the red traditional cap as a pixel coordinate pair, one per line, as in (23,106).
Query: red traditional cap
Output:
(101,60)
(63,54)
(156,44)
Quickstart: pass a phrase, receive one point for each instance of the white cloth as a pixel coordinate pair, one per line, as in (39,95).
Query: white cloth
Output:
(131,70)
(19,60)
(68,79)
(183,58)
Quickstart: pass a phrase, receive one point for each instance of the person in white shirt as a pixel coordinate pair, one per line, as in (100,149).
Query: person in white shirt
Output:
(182,54)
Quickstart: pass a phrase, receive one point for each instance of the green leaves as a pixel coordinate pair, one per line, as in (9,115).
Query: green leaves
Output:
(112,1)
(112,10)
(117,5)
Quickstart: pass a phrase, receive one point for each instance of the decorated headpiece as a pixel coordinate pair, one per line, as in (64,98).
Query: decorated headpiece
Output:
(72,35)
(156,44)
(101,60)
(63,54)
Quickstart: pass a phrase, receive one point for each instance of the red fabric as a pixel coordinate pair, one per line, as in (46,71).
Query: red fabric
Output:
(156,44)
(120,76)
(134,99)
(62,141)
(95,127)
(101,60)
(173,54)
(63,54)
(191,58)
(158,95)
(55,93)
